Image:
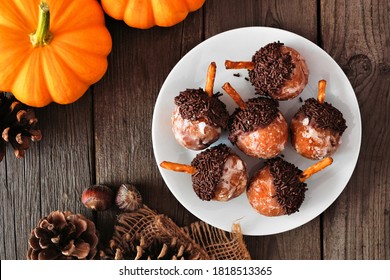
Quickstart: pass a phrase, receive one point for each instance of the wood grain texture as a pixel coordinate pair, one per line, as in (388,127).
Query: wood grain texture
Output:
(22,200)
(66,159)
(357,35)
(3,208)
(124,103)
(52,175)
(304,242)
(8,238)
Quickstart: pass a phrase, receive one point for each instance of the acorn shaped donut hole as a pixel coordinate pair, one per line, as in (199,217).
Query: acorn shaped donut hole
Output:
(317,127)
(217,173)
(279,187)
(257,127)
(199,116)
(276,70)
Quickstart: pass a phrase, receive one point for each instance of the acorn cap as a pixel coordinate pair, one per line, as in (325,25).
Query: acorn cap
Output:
(128,198)
(209,165)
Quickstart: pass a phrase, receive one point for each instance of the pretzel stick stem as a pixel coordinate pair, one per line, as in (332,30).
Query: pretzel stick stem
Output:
(239,64)
(234,95)
(321,91)
(178,167)
(315,168)
(210,78)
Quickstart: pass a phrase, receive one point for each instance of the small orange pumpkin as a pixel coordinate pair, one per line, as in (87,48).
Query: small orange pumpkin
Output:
(148,13)
(53,50)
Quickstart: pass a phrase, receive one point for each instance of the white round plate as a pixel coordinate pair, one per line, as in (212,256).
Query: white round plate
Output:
(240,44)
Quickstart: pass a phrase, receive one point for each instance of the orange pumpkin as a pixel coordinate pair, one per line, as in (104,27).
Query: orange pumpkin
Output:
(148,13)
(53,50)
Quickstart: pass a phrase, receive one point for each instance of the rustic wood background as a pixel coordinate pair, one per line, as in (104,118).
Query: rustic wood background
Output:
(105,137)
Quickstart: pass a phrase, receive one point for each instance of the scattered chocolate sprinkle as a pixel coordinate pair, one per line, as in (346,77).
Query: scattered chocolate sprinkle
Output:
(300,99)
(246,78)
(324,115)
(209,165)
(237,75)
(282,155)
(272,69)
(195,104)
(290,191)
(261,111)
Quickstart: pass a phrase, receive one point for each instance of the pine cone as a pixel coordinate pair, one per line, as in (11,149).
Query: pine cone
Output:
(17,125)
(137,248)
(63,235)
(145,235)
(158,250)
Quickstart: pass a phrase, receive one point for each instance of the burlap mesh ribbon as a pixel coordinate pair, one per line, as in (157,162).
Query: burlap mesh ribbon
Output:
(145,234)
(219,244)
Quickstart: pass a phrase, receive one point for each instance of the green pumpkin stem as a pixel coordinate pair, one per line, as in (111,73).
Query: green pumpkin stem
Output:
(42,36)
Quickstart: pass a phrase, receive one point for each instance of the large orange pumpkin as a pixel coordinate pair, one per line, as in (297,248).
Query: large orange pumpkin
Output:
(148,13)
(53,50)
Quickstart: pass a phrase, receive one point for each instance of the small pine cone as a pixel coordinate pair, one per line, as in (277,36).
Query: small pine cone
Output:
(63,235)
(17,125)
(154,249)
(159,250)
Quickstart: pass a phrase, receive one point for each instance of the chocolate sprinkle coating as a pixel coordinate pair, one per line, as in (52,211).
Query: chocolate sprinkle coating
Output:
(209,165)
(272,69)
(261,111)
(195,104)
(290,191)
(324,115)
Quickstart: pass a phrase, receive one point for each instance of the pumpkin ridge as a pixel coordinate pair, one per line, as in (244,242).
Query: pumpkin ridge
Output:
(115,9)
(194,5)
(76,47)
(169,12)
(64,57)
(60,11)
(74,95)
(16,15)
(154,9)
(15,61)
(24,83)
(63,20)
(80,45)
(139,15)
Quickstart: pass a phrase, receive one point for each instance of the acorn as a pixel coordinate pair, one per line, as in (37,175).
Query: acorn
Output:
(98,197)
(128,198)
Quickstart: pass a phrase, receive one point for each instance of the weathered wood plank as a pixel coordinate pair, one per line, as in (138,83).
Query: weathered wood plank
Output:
(124,103)
(301,18)
(51,176)
(65,163)
(3,208)
(8,249)
(22,200)
(357,35)
(66,157)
